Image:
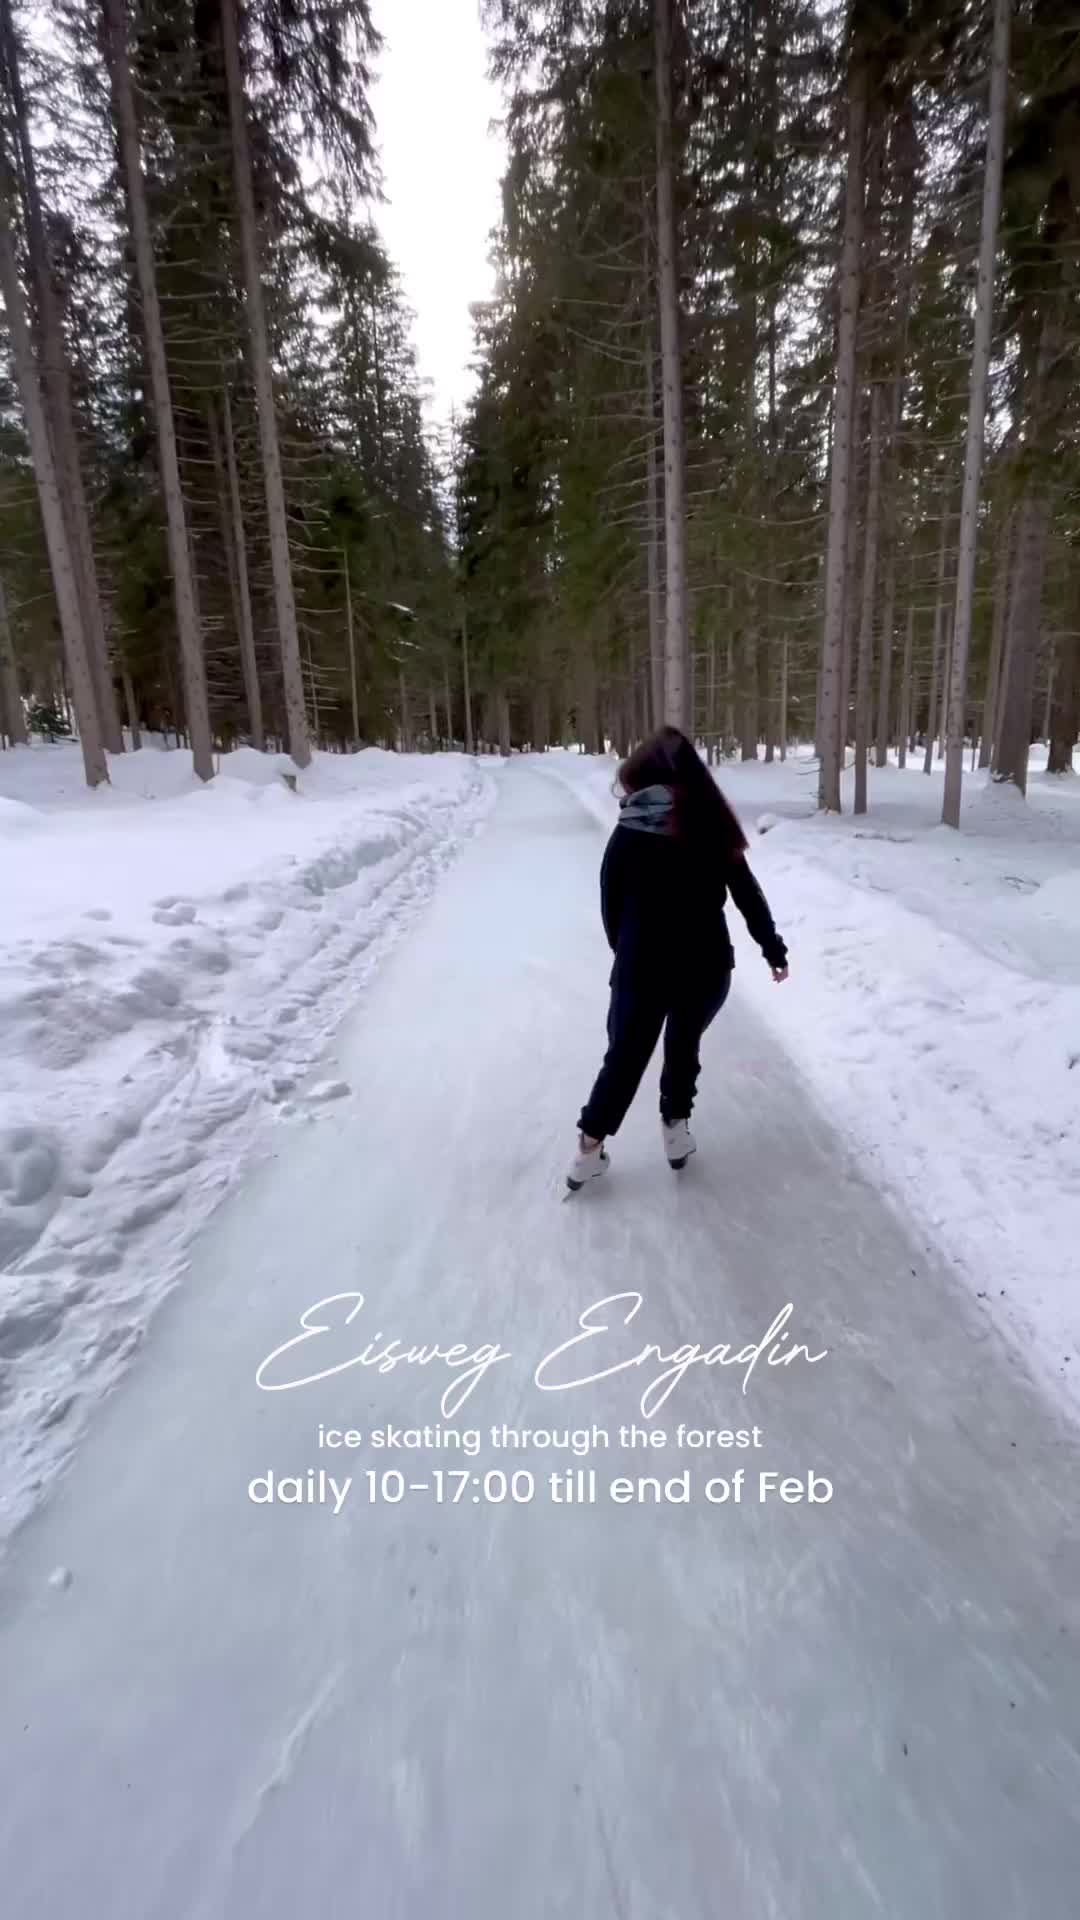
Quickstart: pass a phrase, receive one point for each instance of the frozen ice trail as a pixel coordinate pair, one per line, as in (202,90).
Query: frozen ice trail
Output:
(541,1712)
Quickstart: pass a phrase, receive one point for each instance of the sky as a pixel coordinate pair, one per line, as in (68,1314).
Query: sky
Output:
(433,106)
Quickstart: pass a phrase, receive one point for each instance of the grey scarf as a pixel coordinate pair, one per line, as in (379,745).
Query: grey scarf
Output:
(648,811)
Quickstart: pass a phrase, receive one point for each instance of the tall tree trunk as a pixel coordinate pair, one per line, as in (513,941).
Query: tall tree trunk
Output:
(653,575)
(1051,676)
(61,563)
(855,544)
(541,715)
(350,635)
(939,639)
(132,712)
(748,689)
(316,724)
(980,363)
(11,706)
(903,732)
(946,669)
(992,696)
(466,693)
(1024,623)
(1022,640)
(833,716)
(652,483)
(677,625)
(888,623)
(59,404)
(1065,705)
(248,658)
(184,592)
(281,566)
(783,728)
(906,157)
(864,671)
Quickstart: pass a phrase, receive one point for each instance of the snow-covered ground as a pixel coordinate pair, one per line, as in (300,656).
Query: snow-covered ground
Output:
(172,959)
(934,1004)
(506,1703)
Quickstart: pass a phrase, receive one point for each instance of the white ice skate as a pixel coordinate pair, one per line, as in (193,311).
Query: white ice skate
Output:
(679,1143)
(586,1166)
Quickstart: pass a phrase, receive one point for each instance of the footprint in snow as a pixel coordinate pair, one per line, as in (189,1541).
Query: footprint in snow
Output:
(326,1090)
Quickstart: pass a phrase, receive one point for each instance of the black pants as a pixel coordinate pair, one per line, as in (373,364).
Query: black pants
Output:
(639,1009)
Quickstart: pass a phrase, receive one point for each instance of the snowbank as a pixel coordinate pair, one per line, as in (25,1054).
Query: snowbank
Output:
(934,1003)
(172,959)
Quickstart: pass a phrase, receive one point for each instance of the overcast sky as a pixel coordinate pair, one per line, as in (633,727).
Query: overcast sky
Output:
(433,105)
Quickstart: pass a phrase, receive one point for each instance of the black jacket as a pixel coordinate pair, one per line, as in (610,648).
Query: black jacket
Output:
(662,898)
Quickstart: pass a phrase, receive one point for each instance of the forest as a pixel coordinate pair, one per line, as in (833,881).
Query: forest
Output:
(774,432)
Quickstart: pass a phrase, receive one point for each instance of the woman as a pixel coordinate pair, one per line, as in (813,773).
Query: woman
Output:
(675,855)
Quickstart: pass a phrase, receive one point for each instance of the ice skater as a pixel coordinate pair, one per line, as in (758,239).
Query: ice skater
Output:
(674,856)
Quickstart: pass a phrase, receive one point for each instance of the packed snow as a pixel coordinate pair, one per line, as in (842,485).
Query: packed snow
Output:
(222,1698)
(173,959)
(177,956)
(934,1004)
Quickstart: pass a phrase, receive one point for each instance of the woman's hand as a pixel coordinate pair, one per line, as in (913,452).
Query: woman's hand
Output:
(779,973)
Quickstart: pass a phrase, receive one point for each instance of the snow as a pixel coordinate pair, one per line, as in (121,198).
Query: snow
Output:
(542,1711)
(172,960)
(934,1006)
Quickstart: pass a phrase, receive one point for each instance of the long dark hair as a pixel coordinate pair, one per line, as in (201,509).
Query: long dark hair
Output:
(668,759)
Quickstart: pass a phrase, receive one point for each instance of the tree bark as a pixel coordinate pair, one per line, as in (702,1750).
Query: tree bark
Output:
(748,689)
(856,542)
(59,404)
(677,627)
(992,695)
(885,658)
(61,563)
(939,640)
(864,670)
(655,715)
(1022,641)
(351,637)
(248,659)
(980,364)
(1065,705)
(783,727)
(541,715)
(11,706)
(1023,626)
(184,592)
(258,337)
(833,718)
(903,732)
(653,574)
(132,712)
(469,742)
(906,155)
